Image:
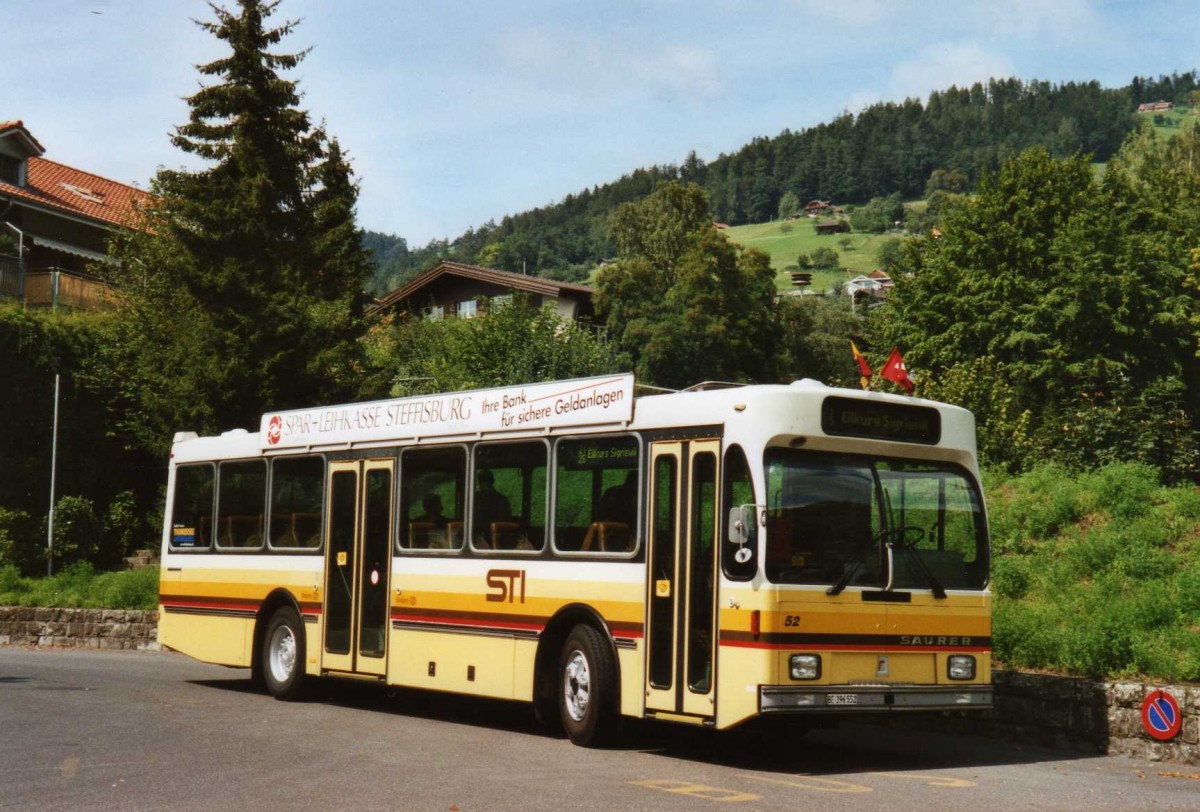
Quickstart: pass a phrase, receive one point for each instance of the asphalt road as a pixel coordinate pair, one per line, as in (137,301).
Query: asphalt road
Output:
(123,730)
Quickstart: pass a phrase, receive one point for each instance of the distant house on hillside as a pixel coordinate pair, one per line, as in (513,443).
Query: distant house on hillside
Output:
(58,220)
(831,226)
(1156,107)
(455,290)
(871,289)
(816,208)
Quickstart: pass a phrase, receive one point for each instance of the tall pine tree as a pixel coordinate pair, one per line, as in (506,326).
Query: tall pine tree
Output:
(244,292)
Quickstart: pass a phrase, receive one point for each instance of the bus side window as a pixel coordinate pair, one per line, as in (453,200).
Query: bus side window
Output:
(241,504)
(432,498)
(508,507)
(297,499)
(739,490)
(597,495)
(192,510)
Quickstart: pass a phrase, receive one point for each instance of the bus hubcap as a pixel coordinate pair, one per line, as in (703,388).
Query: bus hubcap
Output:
(283,654)
(576,686)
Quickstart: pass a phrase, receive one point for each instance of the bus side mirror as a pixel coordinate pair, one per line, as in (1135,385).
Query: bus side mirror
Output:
(741,524)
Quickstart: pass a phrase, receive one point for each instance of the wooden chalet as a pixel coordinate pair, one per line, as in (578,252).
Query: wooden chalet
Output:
(456,290)
(58,221)
(831,226)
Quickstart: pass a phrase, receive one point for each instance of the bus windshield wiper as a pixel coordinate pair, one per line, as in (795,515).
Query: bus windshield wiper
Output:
(868,548)
(915,556)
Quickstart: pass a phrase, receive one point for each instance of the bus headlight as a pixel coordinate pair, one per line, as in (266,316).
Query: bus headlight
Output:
(804,666)
(960,666)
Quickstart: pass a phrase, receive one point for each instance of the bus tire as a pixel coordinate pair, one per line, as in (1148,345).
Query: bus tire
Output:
(283,656)
(587,688)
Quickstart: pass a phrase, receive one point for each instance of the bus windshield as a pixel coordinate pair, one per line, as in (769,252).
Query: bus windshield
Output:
(846,520)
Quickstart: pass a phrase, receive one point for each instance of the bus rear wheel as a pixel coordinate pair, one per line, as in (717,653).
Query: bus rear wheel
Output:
(283,656)
(587,688)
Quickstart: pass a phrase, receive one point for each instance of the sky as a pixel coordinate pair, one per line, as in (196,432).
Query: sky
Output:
(456,113)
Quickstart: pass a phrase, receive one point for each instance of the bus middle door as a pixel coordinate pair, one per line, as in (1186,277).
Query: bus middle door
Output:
(681,589)
(357,566)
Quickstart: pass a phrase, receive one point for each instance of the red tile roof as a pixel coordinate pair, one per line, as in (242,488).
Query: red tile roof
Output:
(59,187)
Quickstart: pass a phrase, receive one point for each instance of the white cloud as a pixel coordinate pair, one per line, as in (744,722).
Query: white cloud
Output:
(1053,20)
(681,70)
(939,66)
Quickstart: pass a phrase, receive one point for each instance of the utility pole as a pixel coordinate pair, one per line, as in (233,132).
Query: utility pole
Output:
(53,472)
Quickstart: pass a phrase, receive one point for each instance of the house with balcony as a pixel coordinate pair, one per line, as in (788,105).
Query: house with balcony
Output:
(456,290)
(55,223)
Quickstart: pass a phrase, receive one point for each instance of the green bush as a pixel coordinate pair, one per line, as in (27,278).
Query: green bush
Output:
(79,586)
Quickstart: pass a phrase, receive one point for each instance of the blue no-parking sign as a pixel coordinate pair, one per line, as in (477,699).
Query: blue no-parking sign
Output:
(1160,715)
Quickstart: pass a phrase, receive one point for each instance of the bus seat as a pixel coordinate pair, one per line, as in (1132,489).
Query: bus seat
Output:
(422,535)
(241,530)
(505,535)
(607,537)
(307,527)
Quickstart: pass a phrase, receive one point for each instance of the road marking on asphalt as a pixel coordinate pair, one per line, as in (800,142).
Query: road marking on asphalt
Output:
(813,783)
(697,790)
(940,781)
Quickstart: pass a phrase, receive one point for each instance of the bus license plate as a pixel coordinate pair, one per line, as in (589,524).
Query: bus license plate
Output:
(842,699)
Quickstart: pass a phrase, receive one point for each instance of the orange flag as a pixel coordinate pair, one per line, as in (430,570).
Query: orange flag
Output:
(864,369)
(895,371)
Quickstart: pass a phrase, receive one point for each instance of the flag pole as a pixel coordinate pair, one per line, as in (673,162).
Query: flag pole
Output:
(53,473)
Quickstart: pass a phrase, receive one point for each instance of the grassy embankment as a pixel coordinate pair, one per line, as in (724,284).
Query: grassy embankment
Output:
(1096,574)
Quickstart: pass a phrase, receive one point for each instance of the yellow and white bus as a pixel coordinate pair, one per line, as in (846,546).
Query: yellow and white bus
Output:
(704,557)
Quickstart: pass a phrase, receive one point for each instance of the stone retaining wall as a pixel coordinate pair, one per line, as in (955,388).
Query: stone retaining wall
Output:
(79,628)
(1081,715)
(1063,713)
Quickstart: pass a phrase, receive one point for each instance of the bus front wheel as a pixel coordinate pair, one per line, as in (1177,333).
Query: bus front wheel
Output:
(587,688)
(283,656)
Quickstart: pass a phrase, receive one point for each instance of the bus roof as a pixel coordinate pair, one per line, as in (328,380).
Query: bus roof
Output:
(756,413)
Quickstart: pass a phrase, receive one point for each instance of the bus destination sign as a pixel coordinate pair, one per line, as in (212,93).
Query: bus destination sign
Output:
(585,401)
(872,419)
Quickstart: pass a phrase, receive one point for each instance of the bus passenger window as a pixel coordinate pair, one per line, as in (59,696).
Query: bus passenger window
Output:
(508,507)
(241,504)
(598,493)
(297,497)
(192,512)
(432,498)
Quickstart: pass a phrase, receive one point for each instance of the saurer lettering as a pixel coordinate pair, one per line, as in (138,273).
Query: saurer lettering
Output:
(919,640)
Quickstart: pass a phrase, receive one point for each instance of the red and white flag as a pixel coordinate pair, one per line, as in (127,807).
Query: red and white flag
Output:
(895,371)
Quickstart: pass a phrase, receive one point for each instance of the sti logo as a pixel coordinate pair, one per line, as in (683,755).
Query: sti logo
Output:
(275,430)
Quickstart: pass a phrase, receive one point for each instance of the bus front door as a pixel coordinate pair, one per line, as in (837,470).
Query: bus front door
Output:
(681,593)
(357,566)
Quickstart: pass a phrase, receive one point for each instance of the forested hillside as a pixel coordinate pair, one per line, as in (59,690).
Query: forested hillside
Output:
(886,148)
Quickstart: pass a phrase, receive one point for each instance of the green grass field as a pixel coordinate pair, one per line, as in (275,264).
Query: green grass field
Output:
(785,240)
(1173,122)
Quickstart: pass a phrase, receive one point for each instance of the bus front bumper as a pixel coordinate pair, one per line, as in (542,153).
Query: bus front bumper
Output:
(873,698)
